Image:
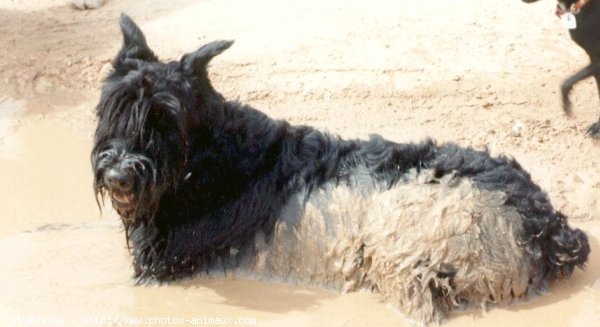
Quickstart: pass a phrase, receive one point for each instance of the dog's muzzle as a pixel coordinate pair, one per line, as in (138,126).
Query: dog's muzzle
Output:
(125,177)
(120,185)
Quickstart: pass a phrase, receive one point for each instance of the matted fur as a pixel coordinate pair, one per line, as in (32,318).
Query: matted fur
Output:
(204,184)
(347,240)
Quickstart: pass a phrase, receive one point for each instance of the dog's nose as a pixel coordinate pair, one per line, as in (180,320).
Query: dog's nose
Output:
(119,180)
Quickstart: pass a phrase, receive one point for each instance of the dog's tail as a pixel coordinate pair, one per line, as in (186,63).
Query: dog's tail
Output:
(553,244)
(565,248)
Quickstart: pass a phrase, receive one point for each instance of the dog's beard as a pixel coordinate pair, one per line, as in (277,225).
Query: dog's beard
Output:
(134,207)
(141,201)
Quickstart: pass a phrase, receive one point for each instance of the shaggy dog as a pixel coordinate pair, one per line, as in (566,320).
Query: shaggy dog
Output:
(587,36)
(203,184)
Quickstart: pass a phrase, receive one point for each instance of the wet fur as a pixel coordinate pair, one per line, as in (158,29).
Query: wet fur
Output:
(223,187)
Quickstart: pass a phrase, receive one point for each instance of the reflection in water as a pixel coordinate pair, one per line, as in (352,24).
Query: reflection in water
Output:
(61,259)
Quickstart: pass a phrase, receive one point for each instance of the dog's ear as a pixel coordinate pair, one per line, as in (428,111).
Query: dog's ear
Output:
(134,43)
(194,64)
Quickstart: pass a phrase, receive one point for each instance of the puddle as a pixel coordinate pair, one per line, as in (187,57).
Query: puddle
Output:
(46,178)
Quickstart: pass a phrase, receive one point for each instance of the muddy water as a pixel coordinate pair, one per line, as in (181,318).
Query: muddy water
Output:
(60,259)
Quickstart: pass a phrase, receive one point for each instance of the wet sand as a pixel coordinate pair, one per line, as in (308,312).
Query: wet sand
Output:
(341,68)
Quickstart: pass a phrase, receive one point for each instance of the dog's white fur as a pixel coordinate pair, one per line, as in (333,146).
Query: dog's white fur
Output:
(396,242)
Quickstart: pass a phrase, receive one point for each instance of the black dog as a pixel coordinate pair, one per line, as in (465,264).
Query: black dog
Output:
(587,36)
(203,184)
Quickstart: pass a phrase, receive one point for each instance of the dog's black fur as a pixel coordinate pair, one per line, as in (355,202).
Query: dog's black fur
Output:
(194,176)
(587,36)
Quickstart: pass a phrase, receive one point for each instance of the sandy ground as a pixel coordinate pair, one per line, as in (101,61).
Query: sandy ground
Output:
(478,73)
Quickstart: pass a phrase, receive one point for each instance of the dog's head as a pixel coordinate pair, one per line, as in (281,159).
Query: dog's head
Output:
(146,113)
